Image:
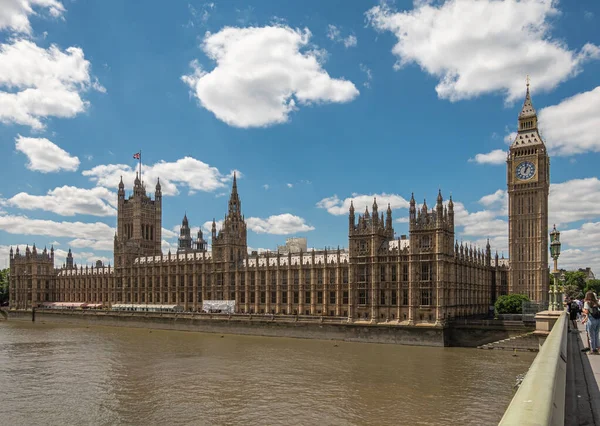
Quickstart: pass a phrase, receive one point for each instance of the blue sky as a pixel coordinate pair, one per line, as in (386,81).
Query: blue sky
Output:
(313,103)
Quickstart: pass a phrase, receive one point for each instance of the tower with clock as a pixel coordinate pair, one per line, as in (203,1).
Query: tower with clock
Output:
(528,178)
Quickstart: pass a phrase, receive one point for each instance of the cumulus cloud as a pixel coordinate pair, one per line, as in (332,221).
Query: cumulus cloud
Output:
(568,202)
(482,46)
(187,171)
(262,75)
(571,127)
(574,200)
(106,245)
(207,227)
(69,201)
(45,156)
(40,83)
(282,224)
(337,207)
(496,156)
(574,258)
(335,34)
(14,14)
(483,223)
(25,226)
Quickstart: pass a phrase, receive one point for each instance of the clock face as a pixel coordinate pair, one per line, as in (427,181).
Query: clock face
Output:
(525,170)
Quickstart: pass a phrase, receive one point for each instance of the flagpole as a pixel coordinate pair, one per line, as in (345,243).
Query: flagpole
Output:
(141,167)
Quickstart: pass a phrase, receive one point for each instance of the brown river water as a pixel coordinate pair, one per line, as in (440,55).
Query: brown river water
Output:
(76,375)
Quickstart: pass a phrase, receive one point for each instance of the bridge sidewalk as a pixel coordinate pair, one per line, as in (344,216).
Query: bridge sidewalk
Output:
(583,380)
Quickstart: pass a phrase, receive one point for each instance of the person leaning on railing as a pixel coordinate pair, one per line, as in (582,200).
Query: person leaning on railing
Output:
(591,310)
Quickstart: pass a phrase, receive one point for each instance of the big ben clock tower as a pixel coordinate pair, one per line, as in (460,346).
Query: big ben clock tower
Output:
(528,177)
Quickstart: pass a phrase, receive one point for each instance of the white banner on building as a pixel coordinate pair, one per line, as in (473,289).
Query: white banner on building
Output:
(219,306)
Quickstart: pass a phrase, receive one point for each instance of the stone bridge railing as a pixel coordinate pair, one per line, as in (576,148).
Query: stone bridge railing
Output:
(540,399)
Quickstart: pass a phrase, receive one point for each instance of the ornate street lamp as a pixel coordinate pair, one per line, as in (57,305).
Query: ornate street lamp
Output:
(555,303)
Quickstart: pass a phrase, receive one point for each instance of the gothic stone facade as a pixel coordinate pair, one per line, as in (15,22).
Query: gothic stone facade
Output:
(426,278)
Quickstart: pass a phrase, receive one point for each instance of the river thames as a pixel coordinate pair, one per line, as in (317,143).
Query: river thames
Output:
(68,374)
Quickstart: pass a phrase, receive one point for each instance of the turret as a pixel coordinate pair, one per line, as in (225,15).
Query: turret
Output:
(375,213)
(185,238)
(388,221)
(70,260)
(351,218)
(214,230)
(158,190)
(52,253)
(121,193)
(451,213)
(11,253)
(439,208)
(412,209)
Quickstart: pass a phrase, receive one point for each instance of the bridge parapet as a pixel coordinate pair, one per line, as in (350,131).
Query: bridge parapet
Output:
(540,400)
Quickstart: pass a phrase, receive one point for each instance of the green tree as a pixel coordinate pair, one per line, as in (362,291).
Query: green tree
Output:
(593,285)
(4,285)
(510,303)
(572,291)
(575,278)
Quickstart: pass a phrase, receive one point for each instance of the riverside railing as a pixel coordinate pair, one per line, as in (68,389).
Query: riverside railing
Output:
(540,400)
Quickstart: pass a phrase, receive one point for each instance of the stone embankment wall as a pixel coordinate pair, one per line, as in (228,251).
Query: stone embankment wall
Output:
(475,333)
(260,325)
(466,333)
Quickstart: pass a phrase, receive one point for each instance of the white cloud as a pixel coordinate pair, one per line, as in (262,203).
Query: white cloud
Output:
(368,73)
(45,156)
(496,156)
(195,174)
(207,228)
(334,34)
(510,138)
(574,258)
(338,207)
(482,46)
(587,235)
(166,233)
(498,200)
(41,83)
(482,223)
(262,75)
(571,127)
(574,200)
(199,18)
(289,185)
(26,226)
(266,186)
(69,201)
(282,224)
(14,14)
(166,246)
(402,220)
(106,245)
(570,201)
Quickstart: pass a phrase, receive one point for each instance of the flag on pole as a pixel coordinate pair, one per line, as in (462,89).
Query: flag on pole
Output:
(137,155)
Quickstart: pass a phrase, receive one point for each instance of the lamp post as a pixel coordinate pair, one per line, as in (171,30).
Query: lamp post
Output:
(555,304)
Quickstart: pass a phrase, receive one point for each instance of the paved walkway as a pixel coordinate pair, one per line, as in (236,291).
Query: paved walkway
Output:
(583,378)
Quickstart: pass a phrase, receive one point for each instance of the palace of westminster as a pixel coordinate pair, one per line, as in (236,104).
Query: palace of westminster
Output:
(425,278)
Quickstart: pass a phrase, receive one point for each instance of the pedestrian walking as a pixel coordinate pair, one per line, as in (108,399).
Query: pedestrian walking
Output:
(591,309)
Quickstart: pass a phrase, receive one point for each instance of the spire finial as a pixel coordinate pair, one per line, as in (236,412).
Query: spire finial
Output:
(527,82)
